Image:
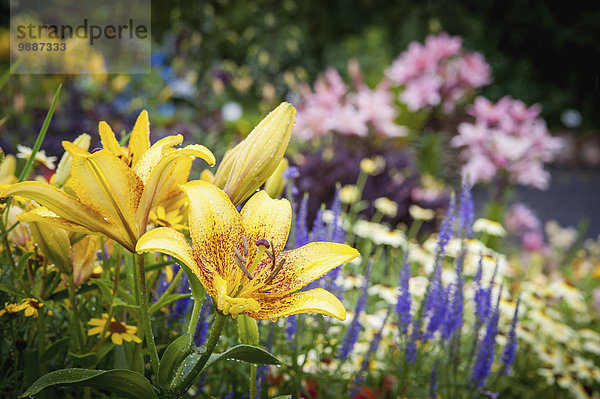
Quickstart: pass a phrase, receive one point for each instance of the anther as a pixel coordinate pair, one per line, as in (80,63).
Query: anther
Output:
(241,266)
(277,270)
(245,241)
(238,255)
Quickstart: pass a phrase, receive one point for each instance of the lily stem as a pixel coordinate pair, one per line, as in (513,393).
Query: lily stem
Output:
(145,311)
(194,318)
(211,343)
(73,300)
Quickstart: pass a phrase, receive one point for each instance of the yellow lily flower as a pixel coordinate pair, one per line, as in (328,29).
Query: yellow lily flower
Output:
(239,257)
(114,188)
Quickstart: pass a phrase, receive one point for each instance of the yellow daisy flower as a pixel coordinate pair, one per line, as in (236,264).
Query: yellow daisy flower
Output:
(11,308)
(31,306)
(118,331)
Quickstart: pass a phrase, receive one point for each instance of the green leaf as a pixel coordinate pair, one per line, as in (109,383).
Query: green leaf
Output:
(11,290)
(175,353)
(133,309)
(84,359)
(55,348)
(245,353)
(122,382)
(195,285)
(38,142)
(283,397)
(164,301)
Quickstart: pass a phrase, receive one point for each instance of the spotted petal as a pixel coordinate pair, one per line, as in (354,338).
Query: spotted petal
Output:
(109,141)
(215,228)
(172,242)
(317,300)
(304,265)
(267,218)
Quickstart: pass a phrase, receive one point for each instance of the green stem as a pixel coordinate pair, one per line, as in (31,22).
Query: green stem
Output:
(6,244)
(73,300)
(140,273)
(195,317)
(111,308)
(253,370)
(210,345)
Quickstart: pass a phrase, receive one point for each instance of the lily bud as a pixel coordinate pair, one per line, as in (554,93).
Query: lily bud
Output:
(276,183)
(247,330)
(259,154)
(225,167)
(83,259)
(63,171)
(54,244)
(7,170)
(207,176)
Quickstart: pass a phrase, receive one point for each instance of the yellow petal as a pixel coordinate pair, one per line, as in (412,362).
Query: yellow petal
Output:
(231,306)
(117,339)
(172,242)
(150,158)
(45,215)
(140,138)
(215,228)
(267,218)
(97,322)
(109,141)
(304,265)
(104,182)
(71,210)
(95,330)
(161,174)
(317,300)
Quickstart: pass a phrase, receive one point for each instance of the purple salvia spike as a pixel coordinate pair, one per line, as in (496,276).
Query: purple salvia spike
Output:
(508,357)
(404,298)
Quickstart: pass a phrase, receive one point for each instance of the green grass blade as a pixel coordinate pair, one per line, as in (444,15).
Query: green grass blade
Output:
(38,142)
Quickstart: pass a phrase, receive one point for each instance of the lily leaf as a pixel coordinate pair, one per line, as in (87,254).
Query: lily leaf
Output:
(85,359)
(245,353)
(168,299)
(175,353)
(122,382)
(11,290)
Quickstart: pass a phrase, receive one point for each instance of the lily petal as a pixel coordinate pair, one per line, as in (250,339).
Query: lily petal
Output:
(317,300)
(150,158)
(304,265)
(215,228)
(140,138)
(74,213)
(44,215)
(267,218)
(109,141)
(172,242)
(103,182)
(161,174)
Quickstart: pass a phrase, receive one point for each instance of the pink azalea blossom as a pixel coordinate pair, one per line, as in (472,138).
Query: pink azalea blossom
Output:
(333,107)
(438,73)
(506,136)
(521,221)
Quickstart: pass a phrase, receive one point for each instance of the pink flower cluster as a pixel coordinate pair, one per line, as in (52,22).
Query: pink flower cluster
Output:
(439,73)
(521,221)
(332,107)
(507,136)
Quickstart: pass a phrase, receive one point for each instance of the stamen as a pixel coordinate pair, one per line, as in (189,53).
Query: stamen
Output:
(277,270)
(241,266)
(270,254)
(238,255)
(245,241)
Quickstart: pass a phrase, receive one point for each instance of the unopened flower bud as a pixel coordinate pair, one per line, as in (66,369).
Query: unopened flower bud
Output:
(247,330)
(276,183)
(257,157)
(63,172)
(54,244)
